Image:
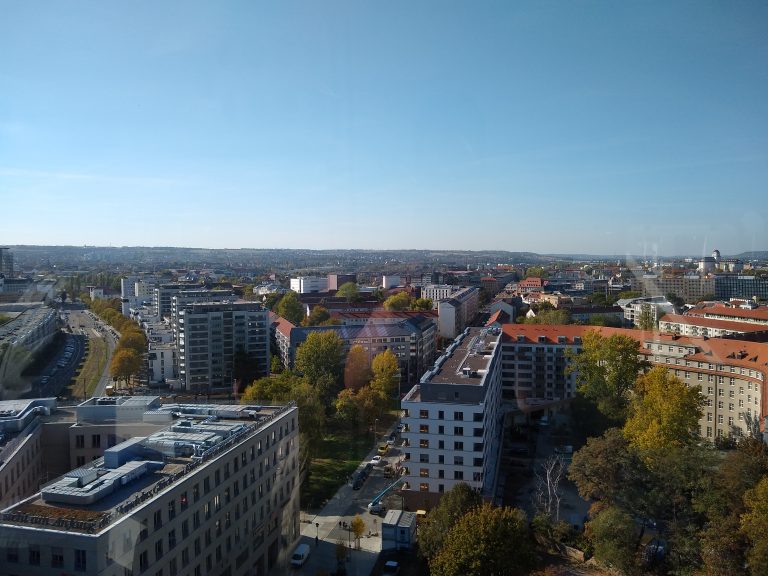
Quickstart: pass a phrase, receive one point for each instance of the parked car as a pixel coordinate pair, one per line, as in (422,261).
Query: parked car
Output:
(300,555)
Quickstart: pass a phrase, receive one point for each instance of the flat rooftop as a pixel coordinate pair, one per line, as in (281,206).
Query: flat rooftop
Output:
(466,360)
(89,499)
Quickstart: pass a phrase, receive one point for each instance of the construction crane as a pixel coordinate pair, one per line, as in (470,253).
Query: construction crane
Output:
(375,506)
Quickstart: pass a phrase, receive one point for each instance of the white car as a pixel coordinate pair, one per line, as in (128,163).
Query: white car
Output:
(376,460)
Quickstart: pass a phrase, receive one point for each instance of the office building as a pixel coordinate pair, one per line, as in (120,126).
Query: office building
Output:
(215,492)
(457,312)
(740,286)
(6,262)
(308,284)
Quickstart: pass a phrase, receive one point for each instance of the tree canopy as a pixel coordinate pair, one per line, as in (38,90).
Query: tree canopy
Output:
(398,302)
(290,308)
(606,370)
(455,503)
(357,368)
(317,317)
(486,541)
(320,359)
(125,364)
(664,412)
(349,291)
(386,371)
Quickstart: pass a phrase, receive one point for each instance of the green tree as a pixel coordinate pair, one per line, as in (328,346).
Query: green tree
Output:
(486,541)
(347,410)
(317,317)
(614,536)
(398,302)
(422,304)
(646,320)
(370,404)
(552,317)
(605,468)
(275,364)
(453,505)
(386,372)
(357,368)
(291,309)
(536,272)
(754,525)
(320,359)
(270,301)
(349,291)
(664,412)
(606,370)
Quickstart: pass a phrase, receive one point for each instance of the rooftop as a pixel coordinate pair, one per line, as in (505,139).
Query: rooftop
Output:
(466,360)
(90,498)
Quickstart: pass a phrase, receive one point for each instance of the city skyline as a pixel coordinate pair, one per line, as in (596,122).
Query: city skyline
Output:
(552,128)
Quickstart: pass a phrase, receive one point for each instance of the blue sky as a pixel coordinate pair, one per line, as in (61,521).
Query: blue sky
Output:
(599,127)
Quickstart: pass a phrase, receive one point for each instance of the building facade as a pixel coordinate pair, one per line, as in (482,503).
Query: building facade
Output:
(453,421)
(458,312)
(308,284)
(203,496)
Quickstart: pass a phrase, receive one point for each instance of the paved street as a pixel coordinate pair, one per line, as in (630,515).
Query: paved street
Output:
(323,531)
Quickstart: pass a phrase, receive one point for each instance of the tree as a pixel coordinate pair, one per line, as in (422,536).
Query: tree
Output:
(320,360)
(646,320)
(270,301)
(398,302)
(347,410)
(552,317)
(386,372)
(357,368)
(536,272)
(125,363)
(675,300)
(486,541)
(605,469)
(453,505)
(614,536)
(349,291)
(664,412)
(275,364)
(290,308)
(317,317)
(754,525)
(311,415)
(547,491)
(370,404)
(134,339)
(422,304)
(358,528)
(606,370)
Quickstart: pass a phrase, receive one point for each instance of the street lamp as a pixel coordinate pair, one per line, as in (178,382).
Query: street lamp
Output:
(375,422)
(317,534)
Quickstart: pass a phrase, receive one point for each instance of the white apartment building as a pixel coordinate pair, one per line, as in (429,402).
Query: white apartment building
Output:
(458,312)
(215,493)
(453,421)
(308,284)
(162,362)
(436,292)
(710,327)
(210,336)
(633,308)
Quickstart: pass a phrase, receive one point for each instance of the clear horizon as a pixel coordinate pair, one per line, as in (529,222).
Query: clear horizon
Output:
(527,127)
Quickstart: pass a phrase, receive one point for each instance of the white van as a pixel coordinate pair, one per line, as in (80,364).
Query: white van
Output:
(300,555)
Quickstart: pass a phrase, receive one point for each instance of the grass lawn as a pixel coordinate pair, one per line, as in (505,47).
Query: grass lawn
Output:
(92,368)
(339,454)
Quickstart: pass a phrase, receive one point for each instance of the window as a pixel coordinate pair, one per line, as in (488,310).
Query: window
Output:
(158,550)
(424,472)
(458,431)
(424,458)
(424,429)
(709,417)
(423,413)
(158,519)
(80,441)
(34,555)
(80,565)
(441,429)
(458,460)
(719,418)
(458,445)
(458,415)
(171,539)
(96,441)
(458,475)
(171,510)
(424,487)
(441,415)
(143,561)
(12,553)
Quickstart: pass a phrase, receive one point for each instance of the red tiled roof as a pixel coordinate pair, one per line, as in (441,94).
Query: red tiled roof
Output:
(760,313)
(281,324)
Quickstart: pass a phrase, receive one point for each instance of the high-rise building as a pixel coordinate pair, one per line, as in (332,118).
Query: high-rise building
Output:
(215,492)
(213,336)
(6,262)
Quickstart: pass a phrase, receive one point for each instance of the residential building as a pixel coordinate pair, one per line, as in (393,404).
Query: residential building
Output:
(413,340)
(162,294)
(686,325)
(731,373)
(458,312)
(162,361)
(211,334)
(214,492)
(389,281)
(747,312)
(307,284)
(453,421)
(632,308)
(437,292)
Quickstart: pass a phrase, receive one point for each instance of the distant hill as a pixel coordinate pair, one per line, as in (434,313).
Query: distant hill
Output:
(754,255)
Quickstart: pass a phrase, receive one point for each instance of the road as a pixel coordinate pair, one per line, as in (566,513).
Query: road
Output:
(323,531)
